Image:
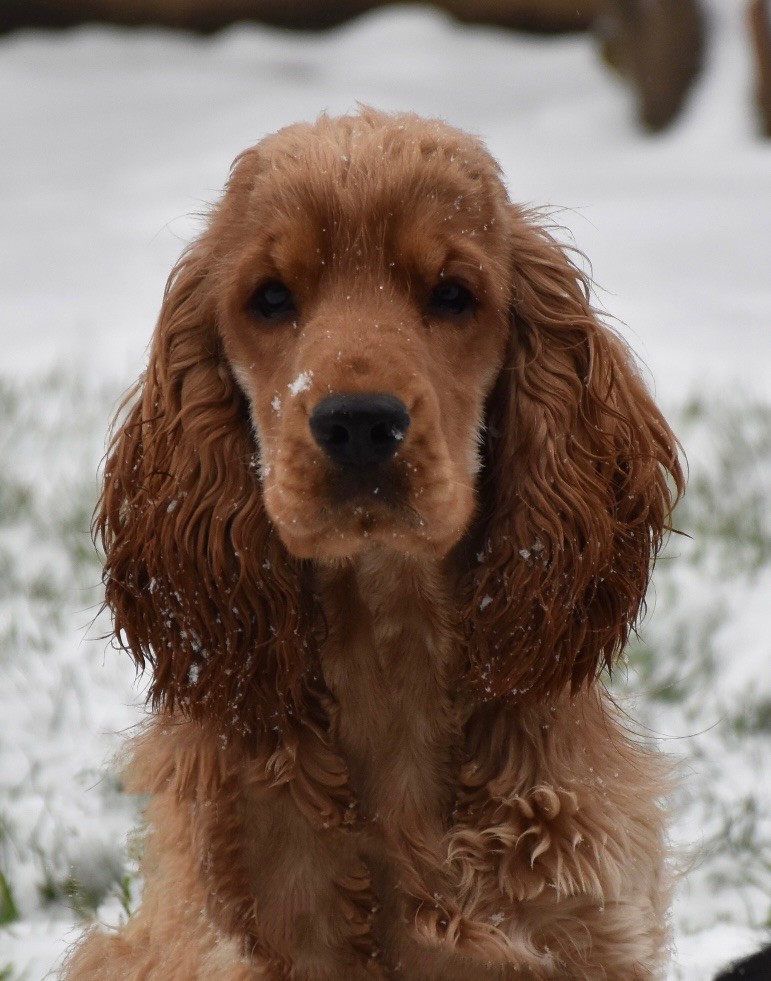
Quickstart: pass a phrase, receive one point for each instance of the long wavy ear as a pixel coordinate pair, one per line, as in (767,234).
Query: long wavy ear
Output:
(581,475)
(198,583)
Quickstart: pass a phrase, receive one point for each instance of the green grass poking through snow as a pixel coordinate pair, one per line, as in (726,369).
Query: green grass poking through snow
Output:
(63,700)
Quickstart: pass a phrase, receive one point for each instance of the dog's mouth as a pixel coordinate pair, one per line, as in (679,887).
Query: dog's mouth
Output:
(336,514)
(349,513)
(383,506)
(378,488)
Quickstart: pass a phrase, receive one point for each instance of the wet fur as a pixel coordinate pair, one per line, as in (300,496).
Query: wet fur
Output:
(380,745)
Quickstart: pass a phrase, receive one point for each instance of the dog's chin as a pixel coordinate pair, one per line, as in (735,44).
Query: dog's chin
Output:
(344,531)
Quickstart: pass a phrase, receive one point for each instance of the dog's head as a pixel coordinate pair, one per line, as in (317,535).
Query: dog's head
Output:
(362,303)
(371,347)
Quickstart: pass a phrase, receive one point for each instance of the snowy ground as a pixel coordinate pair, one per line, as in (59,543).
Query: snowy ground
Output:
(111,140)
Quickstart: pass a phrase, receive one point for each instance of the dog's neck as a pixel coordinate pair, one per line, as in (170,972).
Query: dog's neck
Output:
(391,661)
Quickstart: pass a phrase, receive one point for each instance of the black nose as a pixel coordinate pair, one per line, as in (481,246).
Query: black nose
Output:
(359,430)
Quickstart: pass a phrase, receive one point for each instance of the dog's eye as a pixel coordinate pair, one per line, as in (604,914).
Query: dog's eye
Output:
(451,300)
(271,301)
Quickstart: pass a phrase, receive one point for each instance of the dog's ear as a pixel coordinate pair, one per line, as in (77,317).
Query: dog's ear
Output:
(196,578)
(581,474)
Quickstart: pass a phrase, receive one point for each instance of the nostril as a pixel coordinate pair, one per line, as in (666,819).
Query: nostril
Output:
(359,430)
(337,435)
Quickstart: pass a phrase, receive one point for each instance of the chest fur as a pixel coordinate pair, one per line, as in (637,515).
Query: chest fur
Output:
(391,663)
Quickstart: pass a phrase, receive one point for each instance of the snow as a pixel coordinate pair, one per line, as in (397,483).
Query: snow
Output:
(113,144)
(301,384)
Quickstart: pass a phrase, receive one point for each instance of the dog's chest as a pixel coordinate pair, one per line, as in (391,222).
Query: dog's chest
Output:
(390,664)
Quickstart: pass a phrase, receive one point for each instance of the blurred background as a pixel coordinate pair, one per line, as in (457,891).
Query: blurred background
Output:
(642,125)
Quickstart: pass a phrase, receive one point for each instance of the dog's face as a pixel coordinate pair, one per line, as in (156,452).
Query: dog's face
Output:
(363,307)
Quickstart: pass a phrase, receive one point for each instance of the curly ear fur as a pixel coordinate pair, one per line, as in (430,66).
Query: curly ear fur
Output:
(576,491)
(198,583)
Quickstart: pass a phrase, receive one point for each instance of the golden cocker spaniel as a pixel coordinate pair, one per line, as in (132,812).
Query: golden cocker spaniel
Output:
(381,510)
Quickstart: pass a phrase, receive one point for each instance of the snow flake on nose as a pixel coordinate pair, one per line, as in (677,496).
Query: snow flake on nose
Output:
(301,384)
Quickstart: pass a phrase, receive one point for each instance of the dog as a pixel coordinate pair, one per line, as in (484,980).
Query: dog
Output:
(379,517)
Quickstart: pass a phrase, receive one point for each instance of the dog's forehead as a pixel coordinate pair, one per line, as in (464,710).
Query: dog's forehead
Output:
(358,169)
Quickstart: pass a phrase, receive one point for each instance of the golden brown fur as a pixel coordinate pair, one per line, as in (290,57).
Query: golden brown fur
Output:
(380,746)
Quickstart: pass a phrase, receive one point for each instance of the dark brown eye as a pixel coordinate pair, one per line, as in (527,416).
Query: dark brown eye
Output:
(271,301)
(451,300)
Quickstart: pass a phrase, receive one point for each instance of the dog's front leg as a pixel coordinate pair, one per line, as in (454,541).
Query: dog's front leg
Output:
(559,839)
(285,881)
(298,897)
(242,879)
